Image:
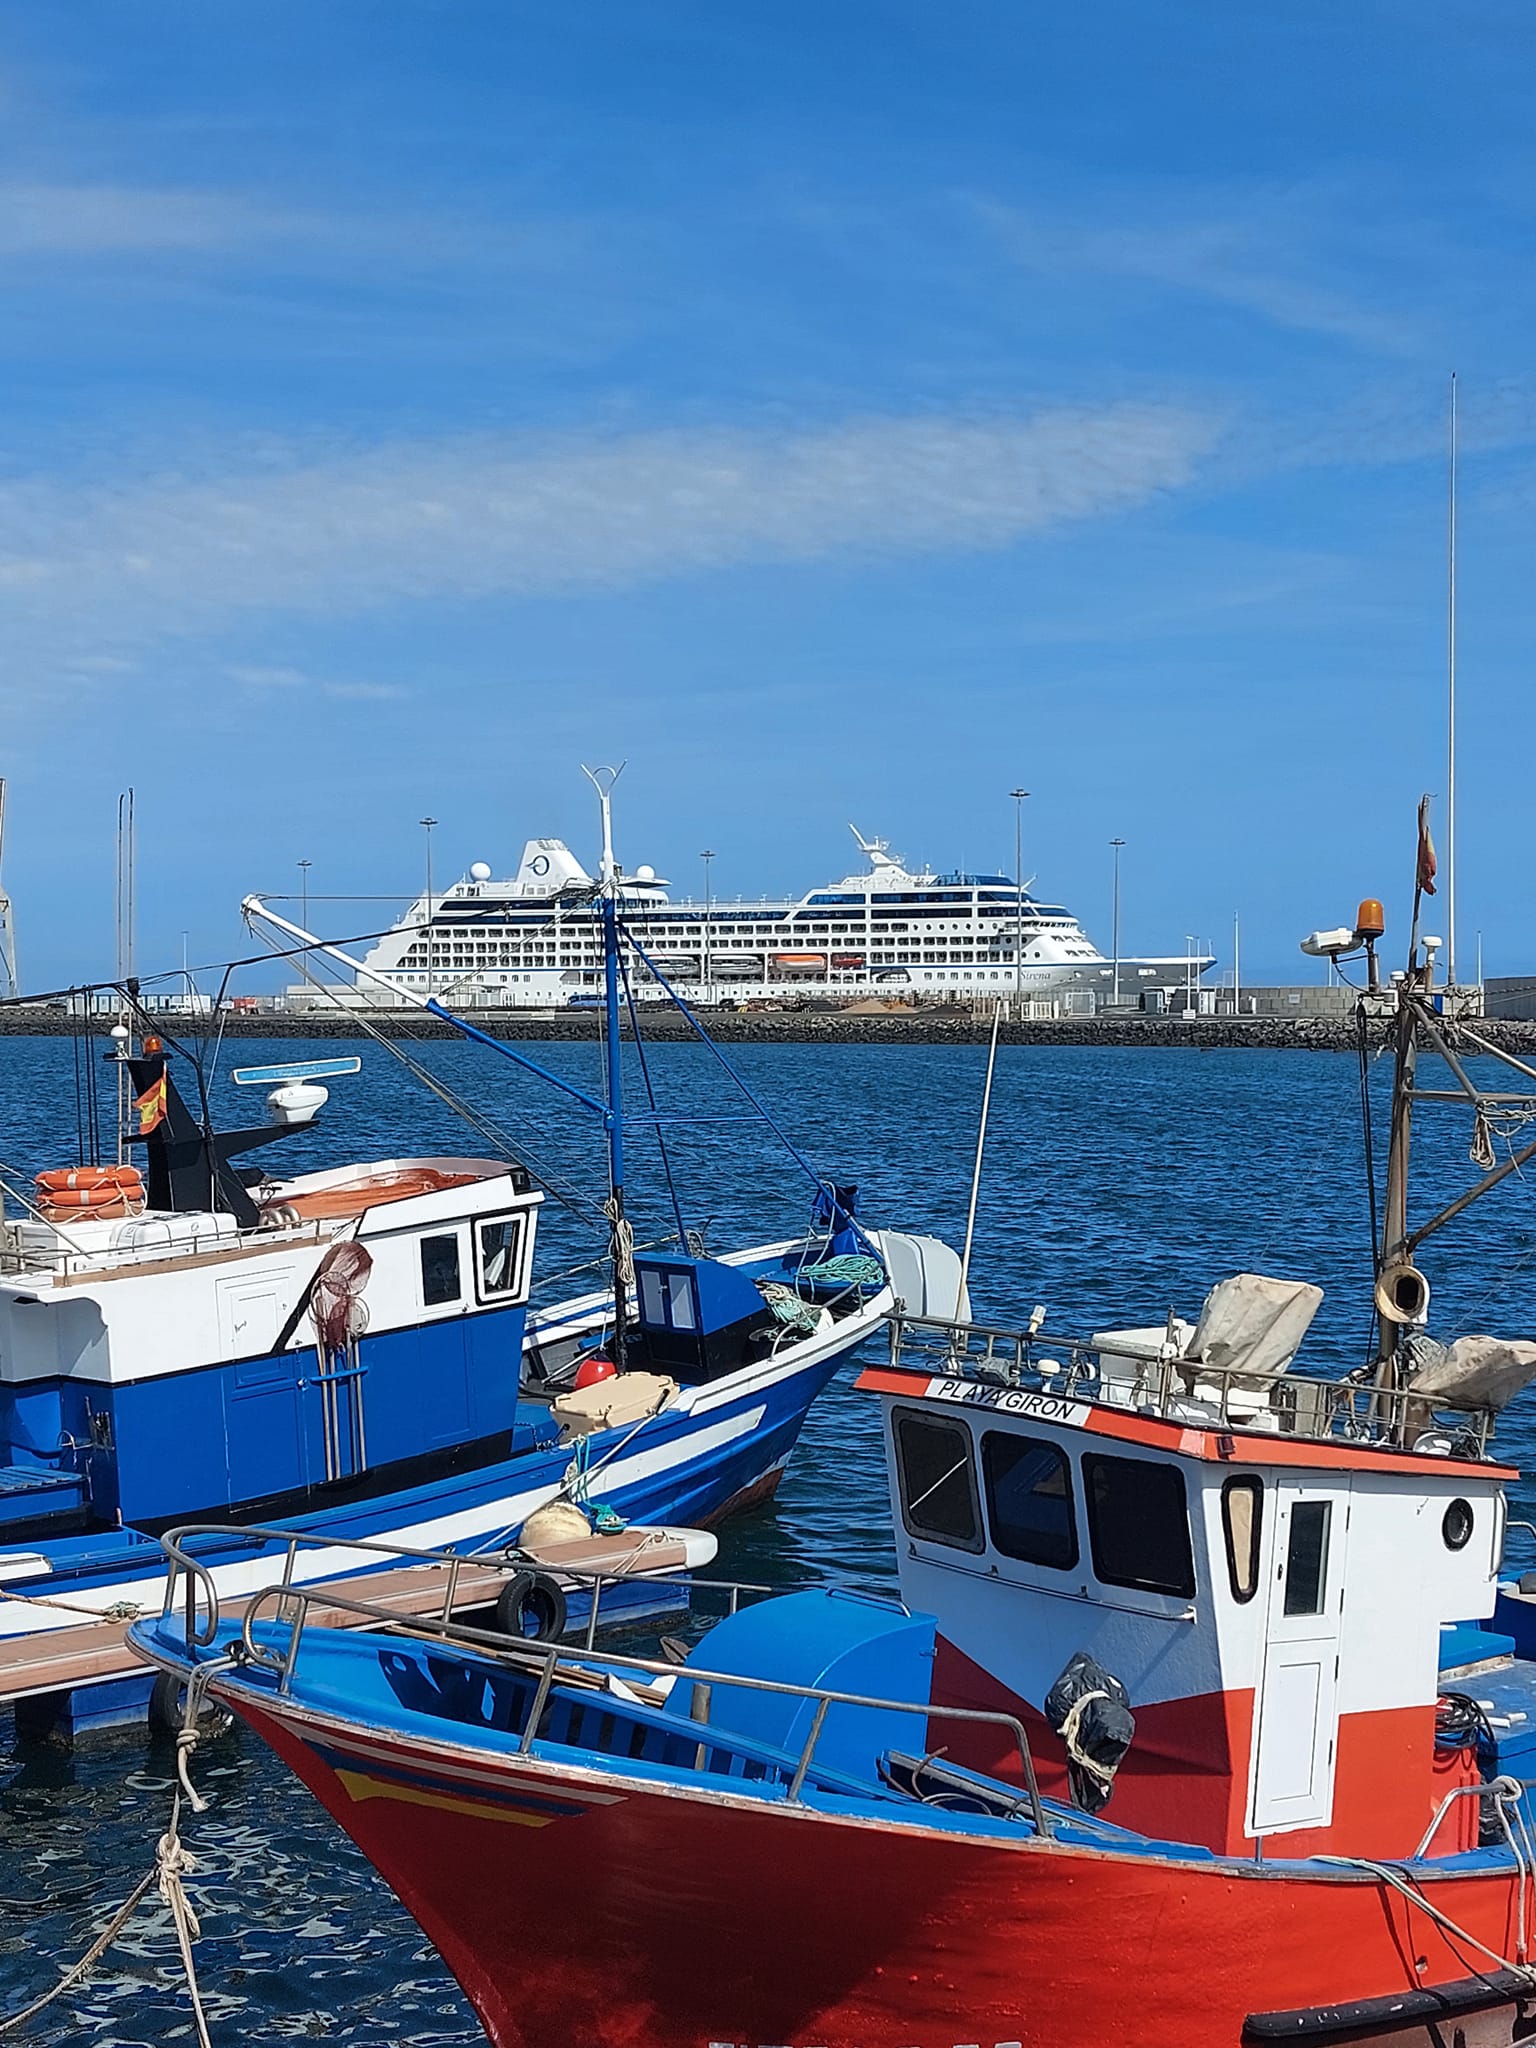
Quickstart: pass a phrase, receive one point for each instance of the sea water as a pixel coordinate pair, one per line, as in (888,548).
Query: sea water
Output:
(1118,1184)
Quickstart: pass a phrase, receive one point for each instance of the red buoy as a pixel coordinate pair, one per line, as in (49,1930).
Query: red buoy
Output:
(593,1369)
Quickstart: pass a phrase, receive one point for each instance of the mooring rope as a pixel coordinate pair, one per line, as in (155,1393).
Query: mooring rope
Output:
(173,1862)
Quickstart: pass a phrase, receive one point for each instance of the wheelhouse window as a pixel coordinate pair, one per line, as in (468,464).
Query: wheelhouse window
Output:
(936,1475)
(1242,1523)
(440,1270)
(1306,1557)
(1029,1499)
(499,1251)
(1138,1525)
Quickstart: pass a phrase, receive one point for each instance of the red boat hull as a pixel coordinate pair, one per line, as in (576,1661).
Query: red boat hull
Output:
(579,1910)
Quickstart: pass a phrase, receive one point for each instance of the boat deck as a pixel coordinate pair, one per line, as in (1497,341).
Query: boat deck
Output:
(84,1653)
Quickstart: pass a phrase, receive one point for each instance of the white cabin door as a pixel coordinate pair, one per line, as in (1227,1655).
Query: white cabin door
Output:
(1296,1713)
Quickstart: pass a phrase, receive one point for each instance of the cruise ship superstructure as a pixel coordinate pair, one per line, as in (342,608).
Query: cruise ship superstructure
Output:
(535,941)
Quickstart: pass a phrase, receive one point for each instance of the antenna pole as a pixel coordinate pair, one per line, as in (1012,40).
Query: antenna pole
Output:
(1450,709)
(127,864)
(7,923)
(602,780)
(1018,796)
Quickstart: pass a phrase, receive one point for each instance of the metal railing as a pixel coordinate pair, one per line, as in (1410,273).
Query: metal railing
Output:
(69,1260)
(1174,1388)
(290,1606)
(200,1596)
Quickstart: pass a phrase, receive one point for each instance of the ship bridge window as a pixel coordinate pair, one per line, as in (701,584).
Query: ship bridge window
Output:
(440,1270)
(936,1470)
(1029,1499)
(498,1256)
(1242,1522)
(1138,1525)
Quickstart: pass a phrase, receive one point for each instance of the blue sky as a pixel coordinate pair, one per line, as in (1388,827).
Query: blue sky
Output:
(837,412)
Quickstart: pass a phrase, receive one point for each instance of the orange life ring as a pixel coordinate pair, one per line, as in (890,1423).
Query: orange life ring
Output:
(119,1203)
(87,1201)
(69,1179)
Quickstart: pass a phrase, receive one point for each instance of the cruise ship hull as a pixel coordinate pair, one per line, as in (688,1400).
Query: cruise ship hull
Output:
(534,942)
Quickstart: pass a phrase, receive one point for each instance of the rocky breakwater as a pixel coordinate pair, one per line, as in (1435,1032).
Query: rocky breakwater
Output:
(777,1027)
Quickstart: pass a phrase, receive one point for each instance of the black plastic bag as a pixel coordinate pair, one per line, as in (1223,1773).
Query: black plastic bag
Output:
(1090,1710)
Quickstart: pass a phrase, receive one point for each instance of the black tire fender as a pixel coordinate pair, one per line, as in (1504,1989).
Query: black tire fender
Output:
(531,1604)
(167,1708)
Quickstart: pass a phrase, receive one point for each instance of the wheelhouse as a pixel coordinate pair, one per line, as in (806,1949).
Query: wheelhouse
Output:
(1276,1598)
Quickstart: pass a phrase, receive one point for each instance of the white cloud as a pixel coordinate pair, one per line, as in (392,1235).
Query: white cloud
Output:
(128,220)
(1298,258)
(479,517)
(258,676)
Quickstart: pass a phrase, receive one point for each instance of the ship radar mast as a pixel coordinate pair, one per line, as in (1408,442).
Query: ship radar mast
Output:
(1422,1016)
(877,850)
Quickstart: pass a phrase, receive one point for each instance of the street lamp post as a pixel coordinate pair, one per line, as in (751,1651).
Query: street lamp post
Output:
(707,856)
(304,867)
(1115,918)
(1018,796)
(426,825)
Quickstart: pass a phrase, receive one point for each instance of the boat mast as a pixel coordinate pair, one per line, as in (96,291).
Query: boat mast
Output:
(622,1240)
(1393,1259)
(1450,710)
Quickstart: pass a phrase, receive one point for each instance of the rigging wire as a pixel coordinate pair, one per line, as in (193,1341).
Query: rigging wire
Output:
(650,1096)
(494,1134)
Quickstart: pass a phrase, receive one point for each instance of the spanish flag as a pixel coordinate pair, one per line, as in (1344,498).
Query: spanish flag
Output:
(1427,862)
(151,1106)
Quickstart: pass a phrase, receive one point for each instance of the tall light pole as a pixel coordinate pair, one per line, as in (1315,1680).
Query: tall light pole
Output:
(1018,796)
(707,856)
(1115,918)
(304,867)
(426,825)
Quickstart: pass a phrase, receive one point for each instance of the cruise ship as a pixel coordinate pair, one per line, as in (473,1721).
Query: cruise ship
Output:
(534,941)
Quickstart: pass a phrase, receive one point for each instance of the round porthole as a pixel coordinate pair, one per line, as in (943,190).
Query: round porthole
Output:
(1456,1525)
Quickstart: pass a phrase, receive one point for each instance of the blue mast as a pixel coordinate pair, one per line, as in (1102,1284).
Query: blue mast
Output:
(621,1242)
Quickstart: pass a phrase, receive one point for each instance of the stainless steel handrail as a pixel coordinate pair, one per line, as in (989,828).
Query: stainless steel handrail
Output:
(507,1561)
(523,1655)
(989,1355)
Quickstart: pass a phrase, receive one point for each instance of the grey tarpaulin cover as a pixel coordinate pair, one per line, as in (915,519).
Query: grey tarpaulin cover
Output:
(1253,1323)
(1477,1372)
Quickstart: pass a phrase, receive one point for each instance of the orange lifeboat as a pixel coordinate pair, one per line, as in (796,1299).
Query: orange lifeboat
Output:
(80,1193)
(800,963)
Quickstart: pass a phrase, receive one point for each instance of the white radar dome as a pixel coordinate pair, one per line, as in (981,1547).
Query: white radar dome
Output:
(481,871)
(645,872)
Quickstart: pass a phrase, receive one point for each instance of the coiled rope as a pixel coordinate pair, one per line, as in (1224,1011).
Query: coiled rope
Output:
(1071,1734)
(621,1246)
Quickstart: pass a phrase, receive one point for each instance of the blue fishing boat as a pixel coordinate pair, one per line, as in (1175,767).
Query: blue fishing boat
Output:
(350,1353)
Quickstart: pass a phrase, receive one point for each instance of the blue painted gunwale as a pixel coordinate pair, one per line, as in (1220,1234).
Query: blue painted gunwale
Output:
(342,1694)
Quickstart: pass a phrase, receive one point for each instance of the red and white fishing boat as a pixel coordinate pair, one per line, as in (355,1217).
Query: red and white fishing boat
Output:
(1204,1717)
